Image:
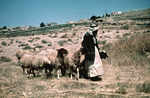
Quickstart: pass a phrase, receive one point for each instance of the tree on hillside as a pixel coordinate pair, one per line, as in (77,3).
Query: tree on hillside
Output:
(93,18)
(5,27)
(42,24)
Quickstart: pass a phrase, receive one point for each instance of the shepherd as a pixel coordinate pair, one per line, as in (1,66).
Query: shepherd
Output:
(93,63)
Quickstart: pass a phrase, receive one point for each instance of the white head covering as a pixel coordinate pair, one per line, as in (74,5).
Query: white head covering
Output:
(92,28)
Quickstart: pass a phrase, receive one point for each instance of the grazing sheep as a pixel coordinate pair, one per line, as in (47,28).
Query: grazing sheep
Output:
(34,62)
(26,61)
(39,62)
(103,54)
(20,53)
(72,62)
(57,60)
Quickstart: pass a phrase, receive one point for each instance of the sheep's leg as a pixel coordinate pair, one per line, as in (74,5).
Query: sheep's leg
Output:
(63,71)
(28,72)
(71,72)
(33,72)
(78,73)
(23,70)
(71,76)
(46,73)
(57,74)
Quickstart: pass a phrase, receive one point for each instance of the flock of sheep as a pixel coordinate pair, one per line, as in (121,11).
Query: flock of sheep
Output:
(61,60)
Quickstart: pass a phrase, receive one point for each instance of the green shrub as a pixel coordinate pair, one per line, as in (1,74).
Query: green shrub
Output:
(122,90)
(64,36)
(69,40)
(3,43)
(23,45)
(117,36)
(103,42)
(44,41)
(125,27)
(145,87)
(126,34)
(107,36)
(37,38)
(30,40)
(5,59)
(61,43)
(39,46)
(74,34)
(27,47)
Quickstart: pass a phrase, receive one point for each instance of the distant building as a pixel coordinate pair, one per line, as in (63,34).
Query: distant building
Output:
(21,28)
(116,13)
(84,20)
(70,22)
(52,23)
(99,20)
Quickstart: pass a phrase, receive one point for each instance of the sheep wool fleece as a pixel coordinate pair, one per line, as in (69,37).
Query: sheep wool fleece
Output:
(95,67)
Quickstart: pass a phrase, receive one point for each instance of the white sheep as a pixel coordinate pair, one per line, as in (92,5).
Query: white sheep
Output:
(20,53)
(39,62)
(26,61)
(34,62)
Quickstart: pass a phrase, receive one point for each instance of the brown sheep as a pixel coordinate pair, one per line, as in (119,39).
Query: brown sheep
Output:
(57,60)
(72,62)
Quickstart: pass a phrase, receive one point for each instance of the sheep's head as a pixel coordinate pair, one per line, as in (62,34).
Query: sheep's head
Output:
(62,52)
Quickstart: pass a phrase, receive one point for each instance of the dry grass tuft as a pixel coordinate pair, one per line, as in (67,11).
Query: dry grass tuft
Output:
(129,51)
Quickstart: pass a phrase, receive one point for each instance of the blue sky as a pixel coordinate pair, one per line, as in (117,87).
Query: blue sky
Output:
(32,12)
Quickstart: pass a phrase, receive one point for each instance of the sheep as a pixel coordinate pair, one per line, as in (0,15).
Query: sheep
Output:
(34,62)
(39,62)
(26,61)
(57,60)
(72,62)
(20,53)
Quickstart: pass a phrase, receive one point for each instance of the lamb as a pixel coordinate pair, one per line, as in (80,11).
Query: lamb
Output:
(34,62)
(20,53)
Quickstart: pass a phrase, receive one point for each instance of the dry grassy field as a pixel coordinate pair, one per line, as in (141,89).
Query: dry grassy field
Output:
(126,71)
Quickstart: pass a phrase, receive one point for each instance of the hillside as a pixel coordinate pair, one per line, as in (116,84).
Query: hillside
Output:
(125,38)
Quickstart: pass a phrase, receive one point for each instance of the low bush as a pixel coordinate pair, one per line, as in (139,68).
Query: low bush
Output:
(21,45)
(61,43)
(64,36)
(27,47)
(39,46)
(44,41)
(5,59)
(125,27)
(3,43)
(144,87)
